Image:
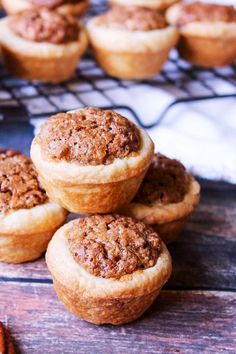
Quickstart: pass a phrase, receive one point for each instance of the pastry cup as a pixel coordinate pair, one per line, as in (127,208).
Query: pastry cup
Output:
(153,4)
(203,43)
(131,54)
(40,61)
(167,220)
(14,6)
(93,189)
(25,233)
(99,300)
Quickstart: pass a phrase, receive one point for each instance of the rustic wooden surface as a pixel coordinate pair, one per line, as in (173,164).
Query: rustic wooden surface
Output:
(196,313)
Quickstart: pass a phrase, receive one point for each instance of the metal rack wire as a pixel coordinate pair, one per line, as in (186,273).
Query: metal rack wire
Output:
(21,100)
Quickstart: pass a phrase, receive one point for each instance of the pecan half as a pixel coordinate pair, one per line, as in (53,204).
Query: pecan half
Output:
(6,345)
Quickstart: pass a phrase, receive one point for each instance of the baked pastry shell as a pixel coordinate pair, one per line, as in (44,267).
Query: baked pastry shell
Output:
(40,61)
(131,54)
(25,233)
(203,43)
(168,220)
(14,6)
(153,4)
(93,189)
(99,300)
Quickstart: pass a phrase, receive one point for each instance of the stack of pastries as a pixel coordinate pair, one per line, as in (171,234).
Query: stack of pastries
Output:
(108,266)
(44,39)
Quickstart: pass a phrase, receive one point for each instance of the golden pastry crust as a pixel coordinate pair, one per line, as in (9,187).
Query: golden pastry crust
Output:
(92,189)
(131,54)
(168,220)
(207,44)
(25,233)
(42,61)
(14,6)
(154,4)
(99,300)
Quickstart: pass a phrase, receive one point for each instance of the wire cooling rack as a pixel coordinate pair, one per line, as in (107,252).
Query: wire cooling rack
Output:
(22,100)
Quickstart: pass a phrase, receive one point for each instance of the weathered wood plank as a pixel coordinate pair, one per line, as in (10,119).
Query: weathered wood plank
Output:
(185,322)
(215,216)
(29,270)
(204,262)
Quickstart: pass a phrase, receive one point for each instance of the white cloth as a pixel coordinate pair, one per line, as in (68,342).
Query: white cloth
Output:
(202,135)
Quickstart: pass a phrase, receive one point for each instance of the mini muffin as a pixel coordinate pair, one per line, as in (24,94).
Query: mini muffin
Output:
(108,268)
(166,198)
(28,219)
(153,4)
(71,7)
(91,160)
(131,42)
(42,45)
(208,32)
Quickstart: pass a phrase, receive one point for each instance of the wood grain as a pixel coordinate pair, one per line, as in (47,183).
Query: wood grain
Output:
(216,214)
(28,271)
(185,322)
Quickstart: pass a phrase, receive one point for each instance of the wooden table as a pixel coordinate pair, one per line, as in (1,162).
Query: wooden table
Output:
(195,313)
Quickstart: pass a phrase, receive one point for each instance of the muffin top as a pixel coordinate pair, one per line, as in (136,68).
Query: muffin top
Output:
(52,4)
(19,185)
(132,18)
(205,12)
(91,136)
(44,25)
(165,182)
(111,246)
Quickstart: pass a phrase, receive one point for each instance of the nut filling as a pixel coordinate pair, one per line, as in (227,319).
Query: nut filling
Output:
(19,185)
(111,246)
(44,25)
(52,4)
(90,136)
(197,11)
(165,182)
(132,19)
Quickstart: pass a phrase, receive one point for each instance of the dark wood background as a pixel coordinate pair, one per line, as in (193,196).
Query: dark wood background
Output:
(195,313)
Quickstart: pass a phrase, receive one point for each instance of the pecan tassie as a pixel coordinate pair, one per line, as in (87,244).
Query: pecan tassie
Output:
(19,184)
(44,25)
(201,12)
(165,182)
